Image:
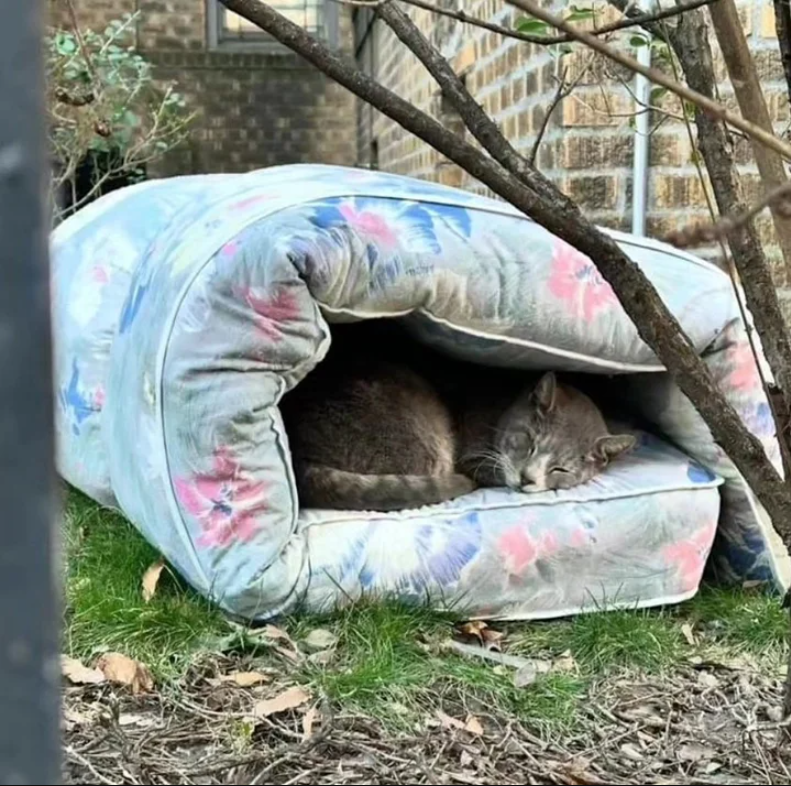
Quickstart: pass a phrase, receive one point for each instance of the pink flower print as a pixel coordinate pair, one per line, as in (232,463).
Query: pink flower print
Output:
(229,249)
(272,311)
(100,274)
(99,397)
(370,224)
(576,280)
(689,556)
(744,374)
(246,204)
(521,550)
(225,501)
(578,539)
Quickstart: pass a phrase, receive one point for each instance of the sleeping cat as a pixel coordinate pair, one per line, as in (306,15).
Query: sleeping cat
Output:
(369,431)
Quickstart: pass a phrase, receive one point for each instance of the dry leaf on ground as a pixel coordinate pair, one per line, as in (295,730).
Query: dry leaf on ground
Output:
(320,639)
(79,674)
(694,752)
(471,725)
(689,634)
(245,679)
(151,579)
(288,700)
(565,662)
(308,721)
(479,630)
(529,673)
(123,670)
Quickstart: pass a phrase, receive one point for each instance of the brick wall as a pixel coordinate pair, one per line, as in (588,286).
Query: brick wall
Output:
(588,145)
(255,108)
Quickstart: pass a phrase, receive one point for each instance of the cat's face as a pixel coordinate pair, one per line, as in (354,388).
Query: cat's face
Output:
(554,437)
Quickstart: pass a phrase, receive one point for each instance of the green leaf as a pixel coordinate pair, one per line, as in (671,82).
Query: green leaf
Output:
(533,26)
(65,44)
(579,14)
(657,94)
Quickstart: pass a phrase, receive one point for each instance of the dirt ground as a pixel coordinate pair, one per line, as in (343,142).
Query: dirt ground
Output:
(705,724)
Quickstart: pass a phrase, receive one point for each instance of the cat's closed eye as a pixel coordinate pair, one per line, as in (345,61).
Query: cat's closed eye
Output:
(560,470)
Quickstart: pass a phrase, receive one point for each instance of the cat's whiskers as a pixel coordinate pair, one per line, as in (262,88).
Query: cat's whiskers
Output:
(489,458)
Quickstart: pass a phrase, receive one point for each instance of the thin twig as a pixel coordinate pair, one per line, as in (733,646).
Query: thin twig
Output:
(86,54)
(541,40)
(563,91)
(708,105)
(693,235)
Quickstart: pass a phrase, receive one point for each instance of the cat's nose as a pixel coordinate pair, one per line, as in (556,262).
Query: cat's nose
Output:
(527,480)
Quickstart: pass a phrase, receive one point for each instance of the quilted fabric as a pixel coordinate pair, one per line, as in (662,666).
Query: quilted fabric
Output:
(184,309)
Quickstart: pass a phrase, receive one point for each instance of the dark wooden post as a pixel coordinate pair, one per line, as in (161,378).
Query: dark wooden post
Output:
(29,666)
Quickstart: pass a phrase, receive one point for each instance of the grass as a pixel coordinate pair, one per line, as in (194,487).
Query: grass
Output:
(105,610)
(389,660)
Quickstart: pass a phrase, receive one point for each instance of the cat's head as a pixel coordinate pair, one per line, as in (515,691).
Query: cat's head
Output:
(554,437)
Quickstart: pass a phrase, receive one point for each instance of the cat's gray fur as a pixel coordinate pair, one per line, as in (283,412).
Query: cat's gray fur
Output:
(374,429)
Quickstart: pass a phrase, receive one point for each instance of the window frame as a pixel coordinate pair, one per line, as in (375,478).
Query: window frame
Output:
(217,42)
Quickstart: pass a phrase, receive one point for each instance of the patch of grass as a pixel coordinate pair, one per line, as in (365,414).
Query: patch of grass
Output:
(106,560)
(745,620)
(389,664)
(603,641)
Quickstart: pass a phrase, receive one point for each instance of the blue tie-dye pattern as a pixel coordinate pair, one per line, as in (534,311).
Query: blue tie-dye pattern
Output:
(444,568)
(350,563)
(132,306)
(414,221)
(761,422)
(326,215)
(742,561)
(419,228)
(458,218)
(74,401)
(698,473)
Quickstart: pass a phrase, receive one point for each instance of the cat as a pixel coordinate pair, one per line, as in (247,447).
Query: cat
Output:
(538,436)
(384,425)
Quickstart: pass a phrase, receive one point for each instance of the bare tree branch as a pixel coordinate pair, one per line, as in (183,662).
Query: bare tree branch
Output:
(750,96)
(527,190)
(707,104)
(783,28)
(563,91)
(541,40)
(693,235)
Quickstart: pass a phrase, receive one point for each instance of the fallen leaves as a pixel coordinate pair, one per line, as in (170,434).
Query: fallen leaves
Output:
(151,579)
(245,679)
(289,699)
(121,670)
(320,639)
(528,673)
(308,721)
(479,631)
(471,724)
(111,667)
(689,634)
(79,674)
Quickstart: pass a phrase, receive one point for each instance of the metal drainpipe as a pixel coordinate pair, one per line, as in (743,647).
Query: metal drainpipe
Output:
(642,92)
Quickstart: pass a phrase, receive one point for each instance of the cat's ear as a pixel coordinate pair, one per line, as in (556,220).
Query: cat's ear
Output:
(610,447)
(546,392)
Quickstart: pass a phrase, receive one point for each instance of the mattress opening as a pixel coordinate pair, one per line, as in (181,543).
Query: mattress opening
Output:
(394,340)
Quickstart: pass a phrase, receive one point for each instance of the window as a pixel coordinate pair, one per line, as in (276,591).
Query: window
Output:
(228,30)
